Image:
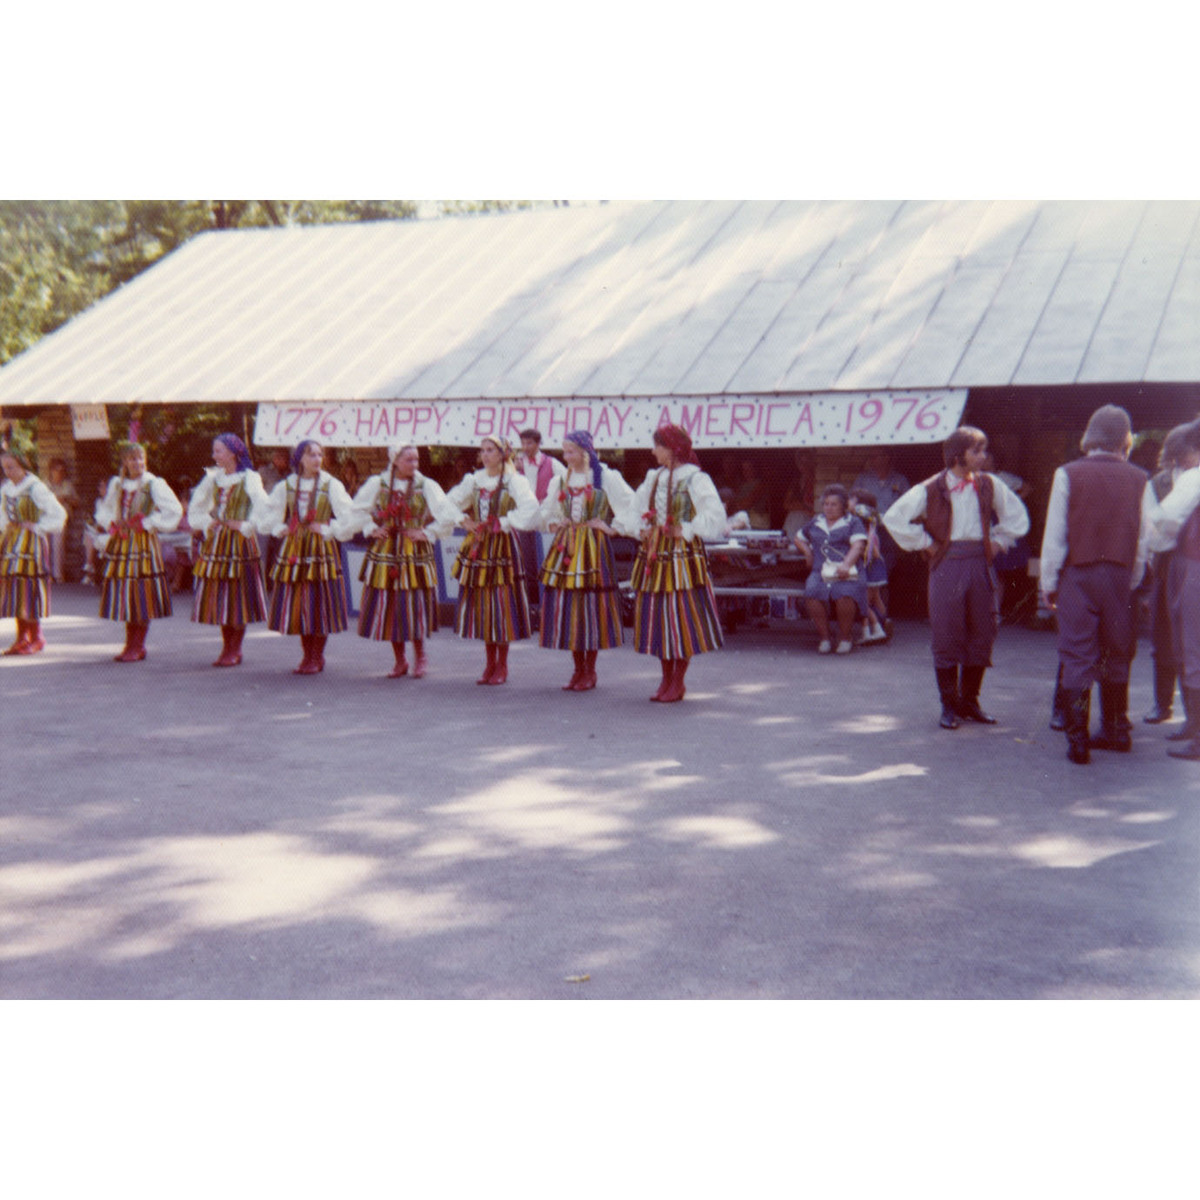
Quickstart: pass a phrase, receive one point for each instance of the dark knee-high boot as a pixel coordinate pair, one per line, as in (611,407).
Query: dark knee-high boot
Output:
(1077,703)
(318,645)
(307,666)
(676,690)
(1058,715)
(1164,695)
(231,645)
(968,696)
(947,682)
(135,643)
(420,662)
(572,684)
(1114,723)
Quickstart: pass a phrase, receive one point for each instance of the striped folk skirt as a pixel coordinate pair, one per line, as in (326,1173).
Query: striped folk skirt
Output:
(308,592)
(24,575)
(399,596)
(136,589)
(581,606)
(229,582)
(675,611)
(493,603)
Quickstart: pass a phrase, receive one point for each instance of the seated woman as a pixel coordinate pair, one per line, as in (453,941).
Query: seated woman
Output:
(832,544)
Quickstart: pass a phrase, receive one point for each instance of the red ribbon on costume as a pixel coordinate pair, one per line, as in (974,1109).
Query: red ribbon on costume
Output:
(962,485)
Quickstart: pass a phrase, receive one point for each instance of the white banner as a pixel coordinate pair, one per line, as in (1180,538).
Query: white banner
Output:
(89,422)
(715,422)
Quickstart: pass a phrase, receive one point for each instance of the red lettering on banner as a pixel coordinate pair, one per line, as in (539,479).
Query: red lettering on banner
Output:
(713,414)
(439,415)
(603,425)
(485,421)
(771,431)
(513,424)
(558,420)
(586,421)
(621,417)
(739,422)
(805,418)
(664,416)
(368,417)
(691,421)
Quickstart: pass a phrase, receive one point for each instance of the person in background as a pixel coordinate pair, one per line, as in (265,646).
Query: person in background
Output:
(752,496)
(349,476)
(29,514)
(59,482)
(876,626)
(538,469)
(276,469)
(399,511)
(1162,552)
(961,518)
(887,485)
(675,611)
(1093,555)
(229,583)
(493,598)
(136,509)
(94,537)
(1178,518)
(311,512)
(581,609)
(832,544)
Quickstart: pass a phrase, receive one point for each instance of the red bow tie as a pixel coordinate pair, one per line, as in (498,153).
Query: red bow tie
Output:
(963,484)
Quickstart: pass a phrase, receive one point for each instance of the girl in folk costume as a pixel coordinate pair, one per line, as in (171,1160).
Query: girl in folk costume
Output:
(136,508)
(675,611)
(311,512)
(581,607)
(493,605)
(398,510)
(29,513)
(228,574)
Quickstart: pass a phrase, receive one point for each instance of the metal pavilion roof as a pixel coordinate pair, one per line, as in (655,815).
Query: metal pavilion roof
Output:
(658,298)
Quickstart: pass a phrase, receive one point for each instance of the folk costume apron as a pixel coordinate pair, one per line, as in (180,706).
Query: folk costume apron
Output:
(581,607)
(228,571)
(399,576)
(136,589)
(675,611)
(493,604)
(308,591)
(24,562)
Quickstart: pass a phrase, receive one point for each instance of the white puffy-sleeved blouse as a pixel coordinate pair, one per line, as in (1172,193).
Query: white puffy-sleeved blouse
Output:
(273,516)
(479,484)
(366,498)
(710,519)
(208,505)
(52,516)
(618,492)
(162,518)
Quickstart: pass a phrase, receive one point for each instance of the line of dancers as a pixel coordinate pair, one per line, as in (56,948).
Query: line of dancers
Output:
(401,512)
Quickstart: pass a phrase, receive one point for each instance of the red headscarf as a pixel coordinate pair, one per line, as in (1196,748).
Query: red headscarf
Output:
(678,441)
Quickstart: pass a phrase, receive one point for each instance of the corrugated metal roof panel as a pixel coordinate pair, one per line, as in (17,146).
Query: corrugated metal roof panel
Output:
(686,297)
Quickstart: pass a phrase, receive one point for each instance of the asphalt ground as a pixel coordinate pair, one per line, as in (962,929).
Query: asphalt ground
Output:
(798,827)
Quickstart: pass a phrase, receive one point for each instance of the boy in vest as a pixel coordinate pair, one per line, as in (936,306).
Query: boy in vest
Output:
(1178,517)
(961,518)
(1093,556)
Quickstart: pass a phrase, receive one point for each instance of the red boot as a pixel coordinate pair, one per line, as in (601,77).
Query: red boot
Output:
(587,680)
(668,670)
(135,643)
(572,684)
(231,650)
(33,639)
(318,649)
(676,689)
(420,662)
(401,667)
(490,670)
(500,674)
(22,638)
(308,664)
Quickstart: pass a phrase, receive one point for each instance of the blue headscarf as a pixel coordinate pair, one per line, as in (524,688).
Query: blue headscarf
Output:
(583,440)
(298,454)
(236,447)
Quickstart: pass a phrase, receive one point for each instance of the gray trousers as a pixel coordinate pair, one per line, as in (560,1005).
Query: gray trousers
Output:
(1183,600)
(1097,634)
(964,607)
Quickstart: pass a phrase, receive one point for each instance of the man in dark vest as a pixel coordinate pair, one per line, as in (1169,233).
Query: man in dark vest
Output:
(1093,556)
(962,518)
(1178,517)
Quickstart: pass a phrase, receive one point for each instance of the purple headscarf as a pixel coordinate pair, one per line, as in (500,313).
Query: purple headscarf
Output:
(298,454)
(236,447)
(583,440)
